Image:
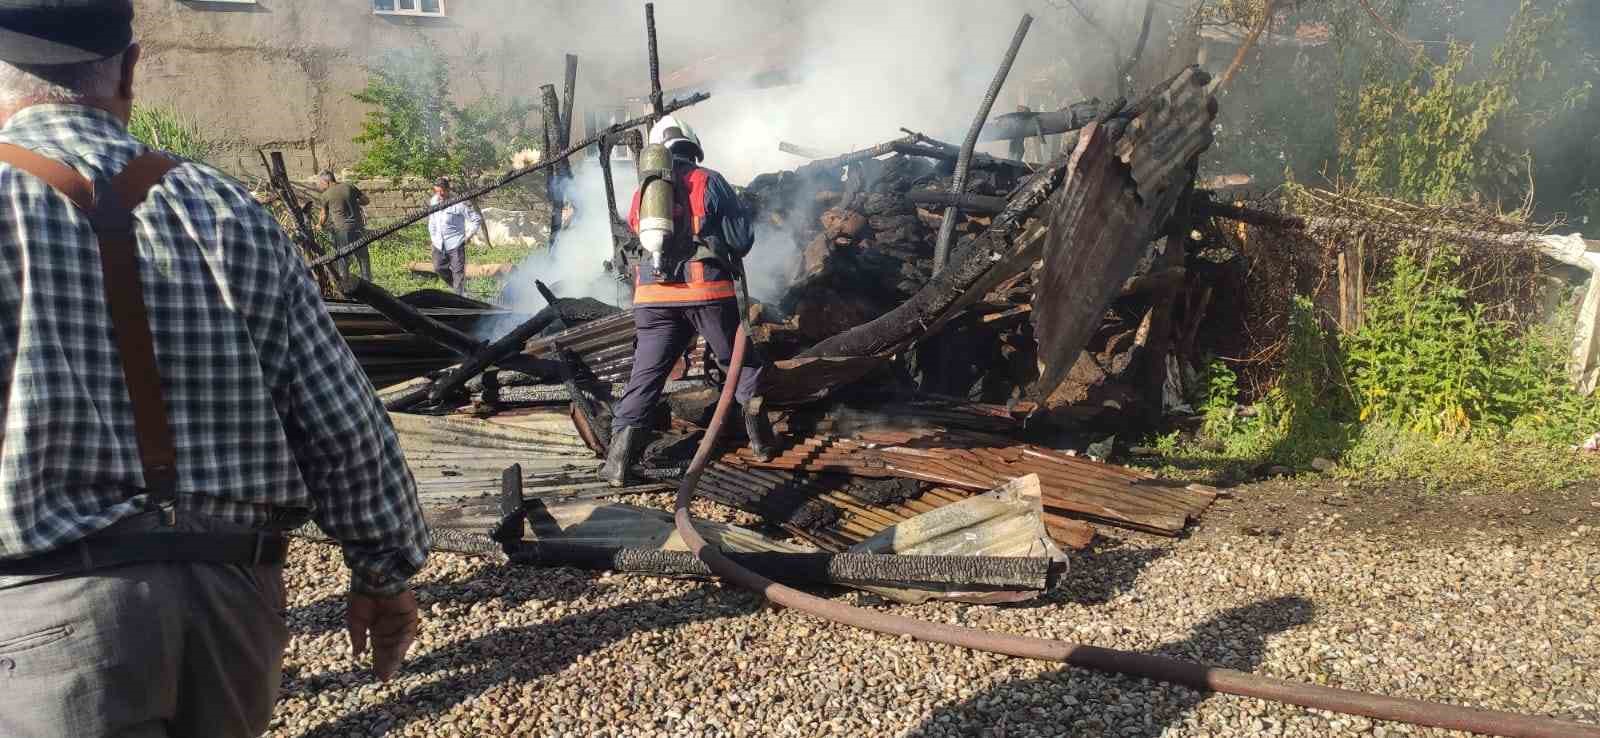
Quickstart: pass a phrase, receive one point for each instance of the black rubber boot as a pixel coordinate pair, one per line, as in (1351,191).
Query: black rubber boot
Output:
(626,446)
(759,429)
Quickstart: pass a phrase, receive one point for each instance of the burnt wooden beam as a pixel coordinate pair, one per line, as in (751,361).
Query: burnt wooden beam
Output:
(502,349)
(656,108)
(563,171)
(1022,125)
(980,161)
(873,152)
(976,204)
(410,318)
(568,100)
(947,229)
(1013,242)
(583,413)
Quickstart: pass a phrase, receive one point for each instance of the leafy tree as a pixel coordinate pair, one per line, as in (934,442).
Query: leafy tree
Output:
(414,129)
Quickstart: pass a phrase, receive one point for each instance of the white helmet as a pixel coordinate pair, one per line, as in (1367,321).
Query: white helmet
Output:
(669,132)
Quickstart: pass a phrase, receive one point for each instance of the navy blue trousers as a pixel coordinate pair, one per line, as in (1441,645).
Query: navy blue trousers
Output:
(661,335)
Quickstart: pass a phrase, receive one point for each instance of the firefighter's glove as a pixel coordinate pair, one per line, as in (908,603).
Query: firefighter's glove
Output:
(391,625)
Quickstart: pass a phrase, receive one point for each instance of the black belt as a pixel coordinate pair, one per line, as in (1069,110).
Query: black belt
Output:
(104,552)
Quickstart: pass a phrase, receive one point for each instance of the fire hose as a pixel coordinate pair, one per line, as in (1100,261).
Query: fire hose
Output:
(1159,668)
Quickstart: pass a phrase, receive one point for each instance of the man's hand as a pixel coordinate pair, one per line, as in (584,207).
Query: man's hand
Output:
(391,622)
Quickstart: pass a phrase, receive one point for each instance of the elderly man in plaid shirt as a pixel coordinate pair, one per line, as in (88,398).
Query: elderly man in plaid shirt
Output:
(151,456)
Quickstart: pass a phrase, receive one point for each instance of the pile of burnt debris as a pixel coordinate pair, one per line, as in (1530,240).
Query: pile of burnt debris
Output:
(924,363)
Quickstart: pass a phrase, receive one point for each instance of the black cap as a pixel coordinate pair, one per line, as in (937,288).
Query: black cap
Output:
(442,182)
(64,31)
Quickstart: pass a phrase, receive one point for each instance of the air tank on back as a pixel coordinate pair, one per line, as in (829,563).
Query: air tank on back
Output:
(655,202)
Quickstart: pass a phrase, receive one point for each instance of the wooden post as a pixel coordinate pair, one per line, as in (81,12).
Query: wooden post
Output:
(655,63)
(563,170)
(567,100)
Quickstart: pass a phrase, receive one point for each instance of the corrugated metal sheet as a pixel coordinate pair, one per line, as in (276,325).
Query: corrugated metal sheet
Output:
(1007,521)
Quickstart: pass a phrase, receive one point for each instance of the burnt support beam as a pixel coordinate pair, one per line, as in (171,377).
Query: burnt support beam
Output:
(656,109)
(569,94)
(977,204)
(502,349)
(874,152)
(947,229)
(278,175)
(583,411)
(410,318)
(963,572)
(1022,125)
(556,179)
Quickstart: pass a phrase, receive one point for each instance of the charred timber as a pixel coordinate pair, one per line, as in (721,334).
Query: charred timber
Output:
(980,161)
(963,572)
(502,349)
(410,318)
(504,180)
(553,182)
(822,165)
(958,186)
(969,264)
(656,108)
(1013,126)
(569,100)
(596,434)
(993,255)
(975,204)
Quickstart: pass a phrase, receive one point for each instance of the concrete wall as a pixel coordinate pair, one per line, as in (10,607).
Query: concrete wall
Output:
(279,73)
(391,198)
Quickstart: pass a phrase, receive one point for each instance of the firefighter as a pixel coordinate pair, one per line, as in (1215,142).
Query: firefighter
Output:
(695,236)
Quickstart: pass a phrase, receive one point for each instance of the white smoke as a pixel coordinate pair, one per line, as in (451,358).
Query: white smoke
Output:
(860,71)
(575,264)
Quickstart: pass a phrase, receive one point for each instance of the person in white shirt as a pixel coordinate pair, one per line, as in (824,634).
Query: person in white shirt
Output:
(450,229)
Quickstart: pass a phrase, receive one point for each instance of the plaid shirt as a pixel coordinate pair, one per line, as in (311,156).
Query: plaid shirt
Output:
(267,404)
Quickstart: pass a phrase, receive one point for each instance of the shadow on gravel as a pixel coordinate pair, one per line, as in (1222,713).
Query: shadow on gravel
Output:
(1096,576)
(513,585)
(1079,702)
(461,671)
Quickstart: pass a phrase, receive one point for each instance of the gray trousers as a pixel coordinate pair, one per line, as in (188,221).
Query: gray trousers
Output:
(343,238)
(451,266)
(661,335)
(147,651)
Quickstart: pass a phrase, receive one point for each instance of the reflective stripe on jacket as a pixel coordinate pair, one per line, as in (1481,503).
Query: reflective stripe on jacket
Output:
(705,207)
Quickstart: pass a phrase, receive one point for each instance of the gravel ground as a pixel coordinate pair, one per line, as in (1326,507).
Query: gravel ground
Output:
(1481,618)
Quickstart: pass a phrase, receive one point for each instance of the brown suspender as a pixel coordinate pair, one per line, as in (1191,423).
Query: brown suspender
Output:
(112,218)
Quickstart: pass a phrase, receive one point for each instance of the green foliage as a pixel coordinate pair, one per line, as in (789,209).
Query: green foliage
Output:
(1425,390)
(1443,132)
(1426,360)
(415,130)
(166,129)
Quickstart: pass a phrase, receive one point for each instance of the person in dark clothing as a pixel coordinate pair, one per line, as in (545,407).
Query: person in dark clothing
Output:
(344,219)
(693,292)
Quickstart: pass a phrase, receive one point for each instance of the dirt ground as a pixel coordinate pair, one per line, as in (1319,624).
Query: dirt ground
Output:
(1288,507)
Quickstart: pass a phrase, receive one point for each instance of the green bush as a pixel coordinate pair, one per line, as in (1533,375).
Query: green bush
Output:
(165,129)
(1425,390)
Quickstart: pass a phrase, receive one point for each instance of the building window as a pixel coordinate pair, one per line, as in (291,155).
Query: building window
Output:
(408,7)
